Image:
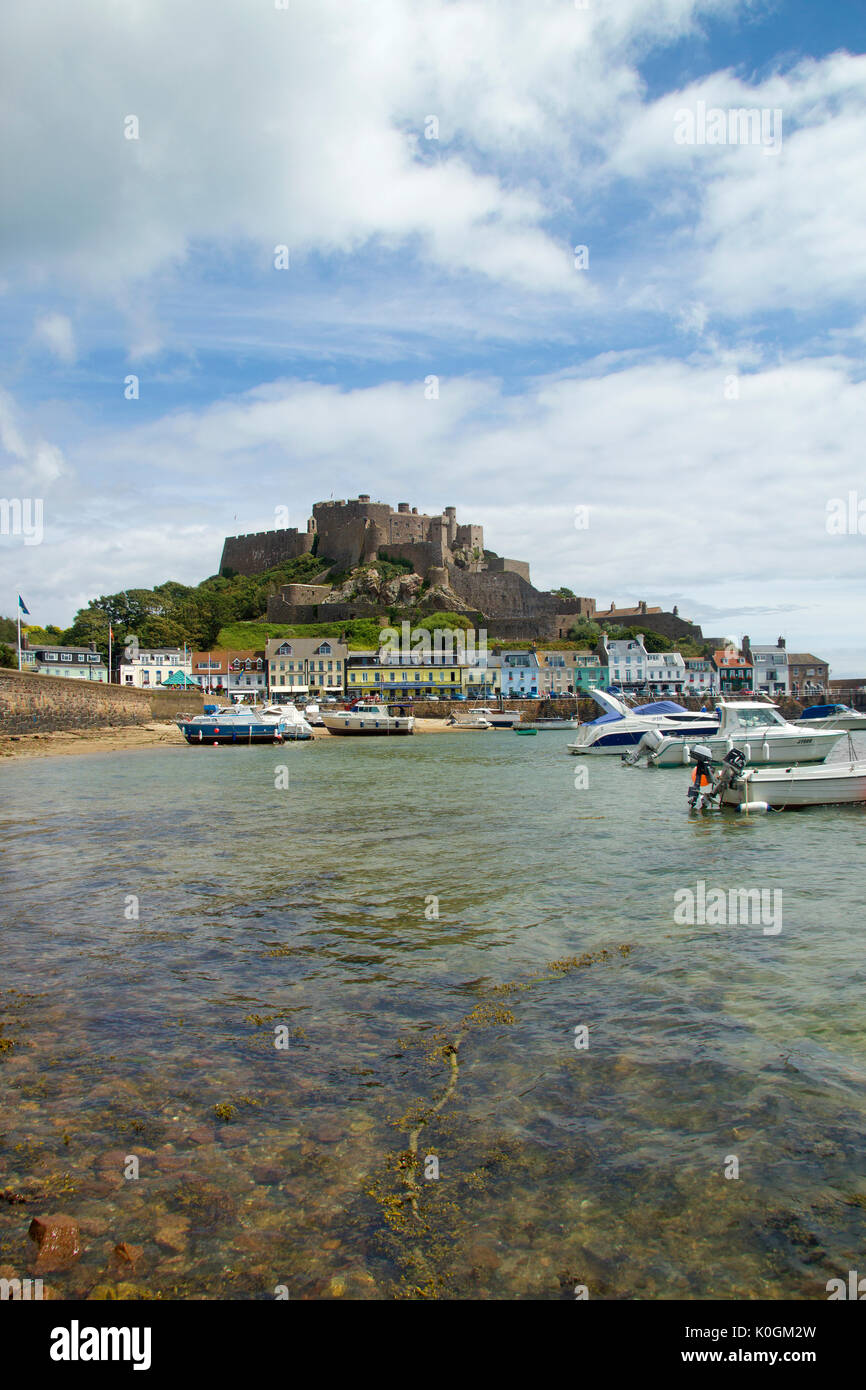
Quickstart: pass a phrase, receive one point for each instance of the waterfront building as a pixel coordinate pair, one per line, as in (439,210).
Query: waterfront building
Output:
(78,663)
(305,666)
(392,675)
(770,666)
(702,678)
(626,659)
(520,674)
(570,672)
(238,674)
(482,677)
(735,671)
(665,673)
(809,675)
(145,668)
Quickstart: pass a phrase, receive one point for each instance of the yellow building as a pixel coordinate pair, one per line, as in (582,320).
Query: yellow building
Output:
(393,678)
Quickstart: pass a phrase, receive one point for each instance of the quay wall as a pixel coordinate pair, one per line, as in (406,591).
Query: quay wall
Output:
(31,703)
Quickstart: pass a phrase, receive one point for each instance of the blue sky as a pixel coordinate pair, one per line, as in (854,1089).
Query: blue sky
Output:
(698,385)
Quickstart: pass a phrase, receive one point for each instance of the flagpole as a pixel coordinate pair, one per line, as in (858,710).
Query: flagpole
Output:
(109,653)
(19,634)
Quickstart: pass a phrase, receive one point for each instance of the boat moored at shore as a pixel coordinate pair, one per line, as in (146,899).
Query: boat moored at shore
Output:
(367,718)
(240,724)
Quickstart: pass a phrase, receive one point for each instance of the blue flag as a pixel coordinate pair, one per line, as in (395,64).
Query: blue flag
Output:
(22,608)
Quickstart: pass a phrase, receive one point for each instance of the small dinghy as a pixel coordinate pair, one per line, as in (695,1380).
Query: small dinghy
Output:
(753,789)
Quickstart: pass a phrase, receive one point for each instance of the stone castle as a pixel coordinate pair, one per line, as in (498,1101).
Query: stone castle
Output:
(352,533)
(452,571)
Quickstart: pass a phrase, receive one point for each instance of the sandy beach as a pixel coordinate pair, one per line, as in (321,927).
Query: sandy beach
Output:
(113,740)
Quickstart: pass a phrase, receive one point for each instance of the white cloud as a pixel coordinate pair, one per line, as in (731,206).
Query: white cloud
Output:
(306,126)
(54,331)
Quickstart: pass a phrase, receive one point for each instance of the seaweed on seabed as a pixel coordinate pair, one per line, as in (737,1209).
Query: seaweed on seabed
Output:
(423,1224)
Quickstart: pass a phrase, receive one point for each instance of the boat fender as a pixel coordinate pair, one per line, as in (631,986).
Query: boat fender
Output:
(747,807)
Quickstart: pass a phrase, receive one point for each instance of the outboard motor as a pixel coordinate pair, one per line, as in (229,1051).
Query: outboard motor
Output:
(644,748)
(703,780)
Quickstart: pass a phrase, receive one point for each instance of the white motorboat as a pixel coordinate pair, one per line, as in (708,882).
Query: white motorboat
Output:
(833,717)
(500,718)
(751,789)
(757,730)
(367,717)
(313,716)
(620,728)
(473,720)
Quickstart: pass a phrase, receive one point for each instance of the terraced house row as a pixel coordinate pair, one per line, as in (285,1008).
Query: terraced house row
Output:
(290,667)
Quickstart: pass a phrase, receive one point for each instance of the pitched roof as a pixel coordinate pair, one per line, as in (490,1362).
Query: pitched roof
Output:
(805,659)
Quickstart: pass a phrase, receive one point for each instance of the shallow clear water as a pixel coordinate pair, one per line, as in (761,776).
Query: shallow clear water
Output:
(262,907)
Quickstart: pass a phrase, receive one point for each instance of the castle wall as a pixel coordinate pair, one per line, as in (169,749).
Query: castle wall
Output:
(502,595)
(420,554)
(498,564)
(664,623)
(262,550)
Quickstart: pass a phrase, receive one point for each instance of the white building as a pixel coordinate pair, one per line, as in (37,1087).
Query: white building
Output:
(771,667)
(627,661)
(702,678)
(665,673)
(147,668)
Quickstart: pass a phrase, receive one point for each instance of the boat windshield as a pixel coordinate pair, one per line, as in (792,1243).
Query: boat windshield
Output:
(757,718)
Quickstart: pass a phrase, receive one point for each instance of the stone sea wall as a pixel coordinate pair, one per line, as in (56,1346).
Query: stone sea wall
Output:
(43,704)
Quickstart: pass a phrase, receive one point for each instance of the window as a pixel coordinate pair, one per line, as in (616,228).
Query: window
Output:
(67,656)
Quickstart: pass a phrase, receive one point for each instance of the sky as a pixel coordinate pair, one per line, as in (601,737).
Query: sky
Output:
(514,258)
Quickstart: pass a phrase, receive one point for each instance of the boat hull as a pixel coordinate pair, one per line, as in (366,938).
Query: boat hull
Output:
(366,726)
(201,734)
(836,785)
(758,752)
(851,723)
(615,740)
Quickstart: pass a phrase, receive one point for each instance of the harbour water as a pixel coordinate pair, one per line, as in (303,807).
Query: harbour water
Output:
(425,926)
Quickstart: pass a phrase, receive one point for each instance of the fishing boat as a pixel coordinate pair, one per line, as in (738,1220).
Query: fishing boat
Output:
(757,730)
(367,717)
(240,724)
(750,789)
(621,728)
(833,717)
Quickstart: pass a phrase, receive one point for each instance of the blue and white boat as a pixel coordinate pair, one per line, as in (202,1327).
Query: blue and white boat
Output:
(833,717)
(245,725)
(620,728)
